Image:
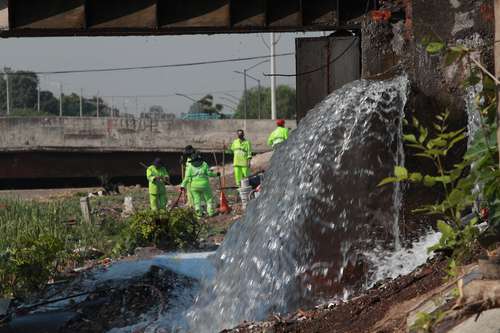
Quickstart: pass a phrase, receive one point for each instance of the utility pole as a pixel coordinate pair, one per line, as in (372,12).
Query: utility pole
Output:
(245,92)
(97,104)
(112,107)
(38,97)
(6,71)
(273,78)
(60,99)
(260,98)
(81,103)
(497,62)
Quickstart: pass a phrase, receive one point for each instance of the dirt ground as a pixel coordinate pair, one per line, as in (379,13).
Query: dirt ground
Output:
(366,313)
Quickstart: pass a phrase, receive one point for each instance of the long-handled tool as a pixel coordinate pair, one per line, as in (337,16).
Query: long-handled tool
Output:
(223,203)
(176,202)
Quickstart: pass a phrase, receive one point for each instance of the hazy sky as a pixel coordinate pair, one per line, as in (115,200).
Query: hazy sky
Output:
(48,54)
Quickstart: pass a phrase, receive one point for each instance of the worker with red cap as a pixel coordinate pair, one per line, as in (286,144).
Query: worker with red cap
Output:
(279,135)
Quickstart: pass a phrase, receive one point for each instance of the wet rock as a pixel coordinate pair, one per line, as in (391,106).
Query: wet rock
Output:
(115,306)
(487,322)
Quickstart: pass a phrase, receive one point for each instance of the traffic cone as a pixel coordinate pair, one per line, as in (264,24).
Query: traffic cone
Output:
(224,205)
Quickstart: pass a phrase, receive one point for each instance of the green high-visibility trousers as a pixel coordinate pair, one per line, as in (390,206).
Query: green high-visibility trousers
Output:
(240,172)
(200,195)
(189,195)
(158,201)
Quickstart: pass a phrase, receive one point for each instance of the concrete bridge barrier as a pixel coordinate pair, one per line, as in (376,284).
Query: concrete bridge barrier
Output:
(71,151)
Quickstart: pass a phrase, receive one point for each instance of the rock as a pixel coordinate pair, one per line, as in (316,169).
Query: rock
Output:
(4,306)
(128,207)
(488,322)
(489,269)
(88,252)
(486,291)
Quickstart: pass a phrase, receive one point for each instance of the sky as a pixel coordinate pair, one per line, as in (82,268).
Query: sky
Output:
(63,53)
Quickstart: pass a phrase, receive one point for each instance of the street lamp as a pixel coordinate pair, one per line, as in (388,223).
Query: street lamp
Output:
(236,100)
(229,101)
(245,74)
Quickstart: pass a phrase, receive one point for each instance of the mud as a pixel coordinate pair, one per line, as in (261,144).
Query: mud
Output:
(362,314)
(116,307)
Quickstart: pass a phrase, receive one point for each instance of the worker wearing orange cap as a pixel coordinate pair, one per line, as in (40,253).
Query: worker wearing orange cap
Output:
(279,135)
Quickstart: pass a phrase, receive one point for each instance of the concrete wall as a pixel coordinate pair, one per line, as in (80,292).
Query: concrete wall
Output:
(70,134)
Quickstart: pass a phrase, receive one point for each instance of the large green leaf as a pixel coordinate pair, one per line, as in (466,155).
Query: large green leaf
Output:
(388,180)
(410,138)
(416,177)
(434,47)
(429,181)
(400,172)
(447,231)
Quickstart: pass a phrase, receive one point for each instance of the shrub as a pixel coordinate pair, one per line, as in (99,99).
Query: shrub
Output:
(35,242)
(176,229)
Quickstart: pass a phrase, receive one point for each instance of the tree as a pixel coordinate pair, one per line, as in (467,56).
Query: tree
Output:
(23,90)
(71,106)
(49,103)
(157,112)
(206,105)
(285,102)
(23,85)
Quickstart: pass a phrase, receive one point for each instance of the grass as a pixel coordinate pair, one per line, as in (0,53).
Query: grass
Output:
(38,239)
(36,243)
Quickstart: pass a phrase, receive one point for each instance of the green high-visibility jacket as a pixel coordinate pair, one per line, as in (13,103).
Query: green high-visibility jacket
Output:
(279,135)
(197,176)
(158,186)
(242,151)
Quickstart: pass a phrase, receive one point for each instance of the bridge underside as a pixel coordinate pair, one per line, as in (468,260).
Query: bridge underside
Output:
(30,18)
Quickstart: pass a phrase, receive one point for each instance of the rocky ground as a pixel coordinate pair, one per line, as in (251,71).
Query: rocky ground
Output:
(381,309)
(114,306)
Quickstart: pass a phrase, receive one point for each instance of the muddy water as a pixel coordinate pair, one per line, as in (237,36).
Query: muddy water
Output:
(302,240)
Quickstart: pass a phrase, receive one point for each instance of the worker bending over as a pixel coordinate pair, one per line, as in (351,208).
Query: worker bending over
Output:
(197,177)
(157,176)
(279,135)
(242,151)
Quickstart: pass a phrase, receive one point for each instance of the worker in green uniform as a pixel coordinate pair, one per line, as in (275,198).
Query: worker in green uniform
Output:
(187,157)
(197,177)
(157,176)
(279,135)
(242,151)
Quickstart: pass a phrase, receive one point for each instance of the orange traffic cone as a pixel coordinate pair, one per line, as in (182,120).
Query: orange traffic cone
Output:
(224,205)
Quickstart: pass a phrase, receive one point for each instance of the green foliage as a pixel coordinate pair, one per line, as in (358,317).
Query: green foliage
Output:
(35,242)
(176,229)
(23,86)
(206,105)
(479,165)
(426,321)
(285,100)
(435,47)
(434,145)
(28,263)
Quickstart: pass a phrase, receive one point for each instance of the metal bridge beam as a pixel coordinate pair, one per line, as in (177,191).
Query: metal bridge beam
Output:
(30,18)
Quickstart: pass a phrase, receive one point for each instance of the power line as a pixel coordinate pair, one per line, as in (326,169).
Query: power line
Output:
(189,64)
(174,95)
(319,68)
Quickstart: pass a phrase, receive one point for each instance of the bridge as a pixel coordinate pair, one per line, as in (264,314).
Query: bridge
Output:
(65,150)
(31,18)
